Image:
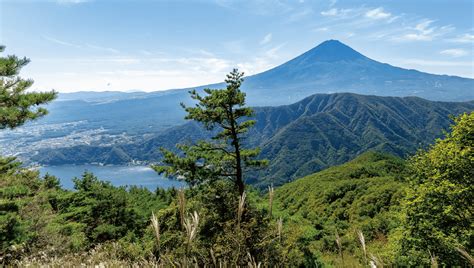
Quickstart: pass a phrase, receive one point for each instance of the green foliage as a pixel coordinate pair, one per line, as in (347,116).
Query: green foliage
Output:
(105,212)
(38,217)
(16,105)
(27,212)
(439,204)
(363,194)
(225,158)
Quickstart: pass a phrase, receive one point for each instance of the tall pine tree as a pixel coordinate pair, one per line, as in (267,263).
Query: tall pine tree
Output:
(225,156)
(16,105)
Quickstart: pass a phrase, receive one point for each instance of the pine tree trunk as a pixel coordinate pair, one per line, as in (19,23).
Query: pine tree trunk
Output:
(238,165)
(238,174)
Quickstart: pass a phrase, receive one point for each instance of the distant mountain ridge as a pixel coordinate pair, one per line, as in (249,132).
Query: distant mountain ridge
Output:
(335,67)
(328,68)
(332,67)
(320,131)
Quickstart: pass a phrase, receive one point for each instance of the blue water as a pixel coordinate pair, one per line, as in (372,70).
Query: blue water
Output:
(117,175)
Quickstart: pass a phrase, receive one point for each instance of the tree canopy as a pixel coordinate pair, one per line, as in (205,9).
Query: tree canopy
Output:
(224,157)
(439,208)
(16,104)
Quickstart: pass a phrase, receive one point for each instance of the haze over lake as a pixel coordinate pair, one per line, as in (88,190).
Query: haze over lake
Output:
(117,175)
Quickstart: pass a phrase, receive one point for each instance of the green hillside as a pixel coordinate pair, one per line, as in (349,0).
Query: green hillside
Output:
(361,195)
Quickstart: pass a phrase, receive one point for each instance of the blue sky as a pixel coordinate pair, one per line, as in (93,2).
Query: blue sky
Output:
(154,45)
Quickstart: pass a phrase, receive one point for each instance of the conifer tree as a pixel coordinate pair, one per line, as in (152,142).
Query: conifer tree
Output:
(16,105)
(224,157)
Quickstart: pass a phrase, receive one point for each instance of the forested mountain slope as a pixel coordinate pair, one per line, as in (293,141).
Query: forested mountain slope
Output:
(364,195)
(299,139)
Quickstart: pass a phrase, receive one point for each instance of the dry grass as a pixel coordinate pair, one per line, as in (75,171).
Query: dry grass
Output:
(271,194)
(240,209)
(362,244)
(376,261)
(433,260)
(252,263)
(465,255)
(339,246)
(191,224)
(156,228)
(279,228)
(108,255)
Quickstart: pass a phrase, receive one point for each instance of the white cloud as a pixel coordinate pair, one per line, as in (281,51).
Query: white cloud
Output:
(321,29)
(465,38)
(335,12)
(69,44)
(107,49)
(393,18)
(272,52)
(206,53)
(454,52)
(60,42)
(417,37)
(266,39)
(424,31)
(330,12)
(377,13)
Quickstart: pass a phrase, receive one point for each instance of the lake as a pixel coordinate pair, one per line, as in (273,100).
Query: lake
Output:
(117,175)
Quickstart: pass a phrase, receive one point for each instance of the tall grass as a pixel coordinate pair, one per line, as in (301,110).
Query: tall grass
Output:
(240,209)
(361,237)
(181,205)
(271,194)
(252,263)
(465,255)
(433,260)
(376,261)
(339,247)
(156,228)
(191,224)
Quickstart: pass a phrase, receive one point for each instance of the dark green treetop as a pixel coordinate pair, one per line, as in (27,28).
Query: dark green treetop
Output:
(224,157)
(16,105)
